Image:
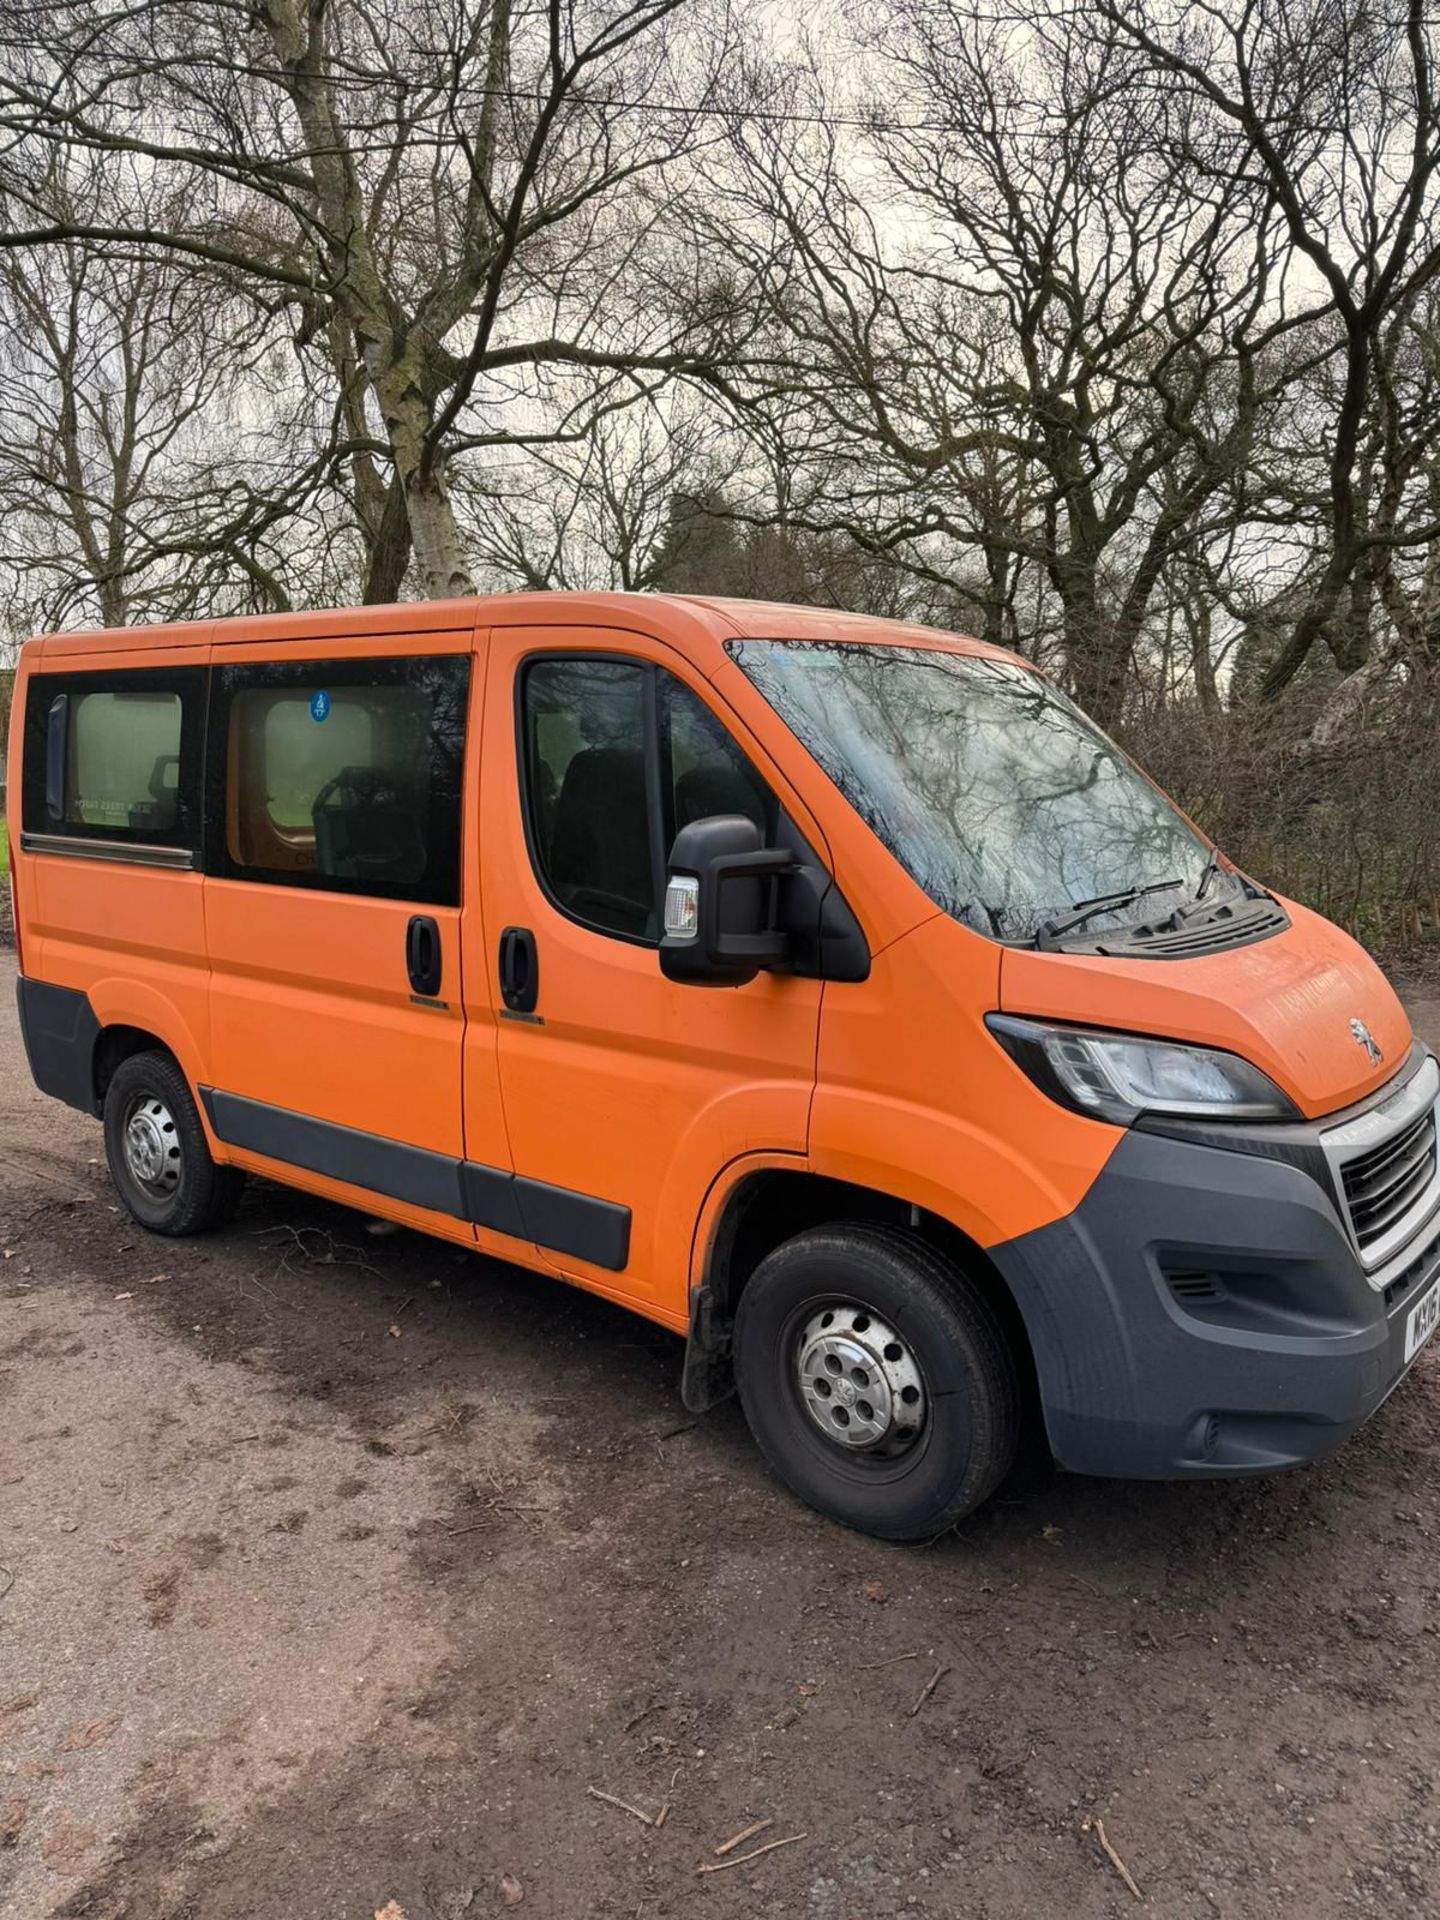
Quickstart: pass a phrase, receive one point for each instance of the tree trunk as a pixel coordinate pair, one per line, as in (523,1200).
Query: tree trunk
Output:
(389,549)
(1196,611)
(1097,656)
(435,536)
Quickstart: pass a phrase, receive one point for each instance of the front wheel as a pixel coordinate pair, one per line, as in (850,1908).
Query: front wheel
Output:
(876,1379)
(156,1149)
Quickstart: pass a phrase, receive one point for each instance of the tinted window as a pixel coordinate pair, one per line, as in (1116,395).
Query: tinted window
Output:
(618,757)
(342,775)
(123,764)
(585,727)
(706,773)
(992,789)
(115,756)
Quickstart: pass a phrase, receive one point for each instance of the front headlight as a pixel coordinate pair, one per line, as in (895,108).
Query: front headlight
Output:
(1119,1076)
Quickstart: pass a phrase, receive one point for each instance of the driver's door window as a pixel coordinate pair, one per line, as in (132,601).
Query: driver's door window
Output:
(618,756)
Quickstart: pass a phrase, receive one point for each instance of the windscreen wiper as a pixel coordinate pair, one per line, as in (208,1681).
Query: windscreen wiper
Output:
(1213,866)
(1053,931)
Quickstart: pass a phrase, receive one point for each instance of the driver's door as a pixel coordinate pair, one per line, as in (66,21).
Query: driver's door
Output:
(624,1093)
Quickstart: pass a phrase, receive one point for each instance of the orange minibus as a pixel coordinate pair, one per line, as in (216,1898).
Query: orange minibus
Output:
(826,989)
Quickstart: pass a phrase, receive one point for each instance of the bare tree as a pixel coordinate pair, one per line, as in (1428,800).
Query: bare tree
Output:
(1028,315)
(454,202)
(1333,115)
(593,513)
(147,465)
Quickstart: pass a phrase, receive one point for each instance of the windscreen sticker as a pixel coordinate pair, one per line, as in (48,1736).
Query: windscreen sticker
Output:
(319,705)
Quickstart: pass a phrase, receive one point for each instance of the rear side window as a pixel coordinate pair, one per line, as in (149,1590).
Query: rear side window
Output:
(618,756)
(115,758)
(341,775)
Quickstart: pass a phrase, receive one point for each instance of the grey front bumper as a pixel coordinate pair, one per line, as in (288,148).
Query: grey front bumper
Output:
(1204,1312)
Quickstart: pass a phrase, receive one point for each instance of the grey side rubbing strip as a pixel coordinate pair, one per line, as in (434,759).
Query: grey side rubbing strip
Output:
(489,1199)
(75,847)
(366,1160)
(556,1218)
(575,1223)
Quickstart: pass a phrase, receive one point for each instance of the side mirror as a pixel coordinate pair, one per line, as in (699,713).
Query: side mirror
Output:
(720,928)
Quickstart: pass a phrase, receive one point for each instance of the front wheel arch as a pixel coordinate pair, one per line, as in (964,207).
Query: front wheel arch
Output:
(772,1205)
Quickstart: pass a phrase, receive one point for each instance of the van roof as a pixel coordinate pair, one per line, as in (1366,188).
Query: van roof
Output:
(697,617)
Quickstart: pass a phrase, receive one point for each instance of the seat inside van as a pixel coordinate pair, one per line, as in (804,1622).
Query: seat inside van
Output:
(364,830)
(599,860)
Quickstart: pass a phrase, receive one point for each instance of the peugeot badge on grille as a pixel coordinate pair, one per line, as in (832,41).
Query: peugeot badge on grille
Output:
(1364,1038)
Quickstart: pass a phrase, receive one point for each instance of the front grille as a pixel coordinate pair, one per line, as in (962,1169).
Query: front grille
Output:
(1382,1185)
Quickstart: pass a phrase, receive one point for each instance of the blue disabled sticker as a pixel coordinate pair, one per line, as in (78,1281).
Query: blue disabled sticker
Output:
(319,705)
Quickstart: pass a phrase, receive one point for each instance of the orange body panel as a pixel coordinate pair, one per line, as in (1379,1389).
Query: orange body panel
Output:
(914,1098)
(628,1087)
(132,938)
(631,1087)
(311,1009)
(1285,1003)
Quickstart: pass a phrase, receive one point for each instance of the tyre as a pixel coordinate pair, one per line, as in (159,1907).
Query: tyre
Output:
(156,1149)
(877,1380)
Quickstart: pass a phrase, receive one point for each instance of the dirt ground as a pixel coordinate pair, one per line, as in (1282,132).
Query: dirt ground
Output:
(336,1570)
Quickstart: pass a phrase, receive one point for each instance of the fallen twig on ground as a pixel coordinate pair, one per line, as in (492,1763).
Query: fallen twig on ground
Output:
(1098,1825)
(9,1581)
(739,1839)
(636,1813)
(453,1422)
(874,1666)
(336,1253)
(673,1434)
(925,1692)
(280,1301)
(743,1859)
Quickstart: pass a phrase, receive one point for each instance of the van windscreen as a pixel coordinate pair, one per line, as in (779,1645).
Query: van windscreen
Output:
(991,789)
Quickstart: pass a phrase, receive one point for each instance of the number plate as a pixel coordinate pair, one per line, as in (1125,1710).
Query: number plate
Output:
(1424,1318)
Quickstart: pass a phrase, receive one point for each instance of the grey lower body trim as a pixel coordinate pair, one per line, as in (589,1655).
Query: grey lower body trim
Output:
(556,1218)
(59,1029)
(1203,1312)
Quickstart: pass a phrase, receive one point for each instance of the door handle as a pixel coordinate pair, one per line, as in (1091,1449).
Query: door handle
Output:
(519,970)
(424,961)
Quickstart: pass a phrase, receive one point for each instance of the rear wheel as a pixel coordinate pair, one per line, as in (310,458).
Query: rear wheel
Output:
(876,1379)
(156,1149)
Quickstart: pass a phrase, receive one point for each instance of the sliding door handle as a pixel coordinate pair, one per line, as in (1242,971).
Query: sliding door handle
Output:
(519,970)
(424,960)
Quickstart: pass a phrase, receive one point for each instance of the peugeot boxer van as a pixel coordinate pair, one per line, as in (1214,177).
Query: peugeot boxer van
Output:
(827,990)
